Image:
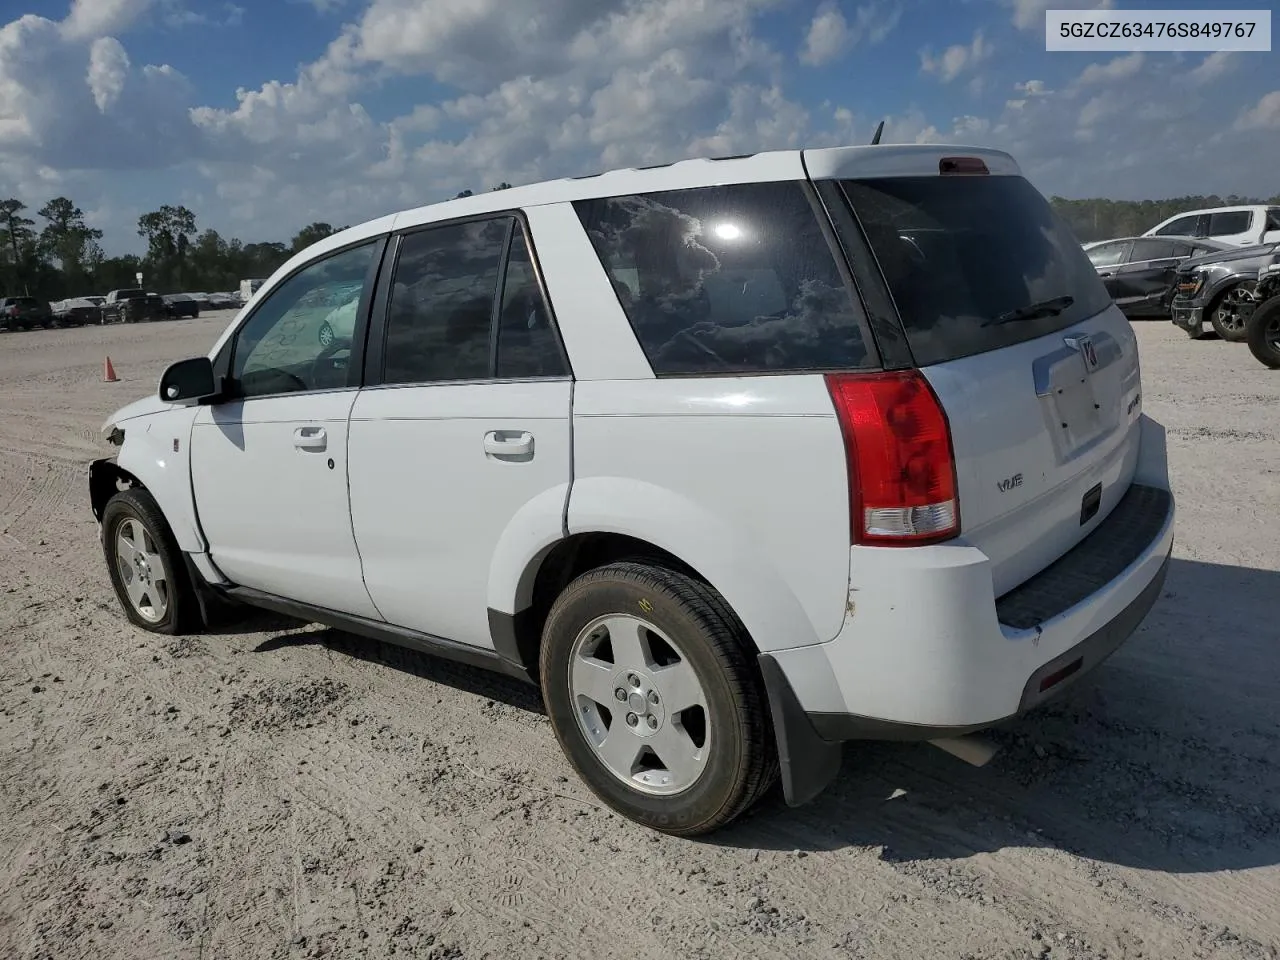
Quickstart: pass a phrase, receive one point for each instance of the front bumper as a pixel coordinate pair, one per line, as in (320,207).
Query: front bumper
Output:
(1190,319)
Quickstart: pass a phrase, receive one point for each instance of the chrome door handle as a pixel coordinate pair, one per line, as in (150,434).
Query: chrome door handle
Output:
(310,438)
(506,444)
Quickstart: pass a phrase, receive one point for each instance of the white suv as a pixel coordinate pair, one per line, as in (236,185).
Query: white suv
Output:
(738,459)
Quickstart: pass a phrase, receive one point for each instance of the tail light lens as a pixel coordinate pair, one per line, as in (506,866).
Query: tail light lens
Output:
(902,474)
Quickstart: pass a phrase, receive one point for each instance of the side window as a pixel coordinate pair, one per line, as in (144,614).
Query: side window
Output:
(1182,227)
(299,338)
(1181,250)
(1226,224)
(441,309)
(1144,250)
(1108,254)
(527,344)
(731,279)
(1273,218)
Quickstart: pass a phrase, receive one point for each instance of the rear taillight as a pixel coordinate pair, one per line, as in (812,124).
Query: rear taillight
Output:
(902,473)
(962,165)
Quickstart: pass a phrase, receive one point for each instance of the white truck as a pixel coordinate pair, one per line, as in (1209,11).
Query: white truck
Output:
(248,288)
(736,459)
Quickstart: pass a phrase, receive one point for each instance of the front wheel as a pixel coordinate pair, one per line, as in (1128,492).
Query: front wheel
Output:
(145,564)
(654,696)
(1263,333)
(1231,311)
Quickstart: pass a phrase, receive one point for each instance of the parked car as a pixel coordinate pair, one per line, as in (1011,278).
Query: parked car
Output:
(1262,331)
(223,301)
(77,311)
(1217,289)
(1241,226)
(23,313)
(132,306)
(181,305)
(737,459)
(1139,272)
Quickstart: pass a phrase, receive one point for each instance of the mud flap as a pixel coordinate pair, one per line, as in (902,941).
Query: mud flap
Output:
(807,763)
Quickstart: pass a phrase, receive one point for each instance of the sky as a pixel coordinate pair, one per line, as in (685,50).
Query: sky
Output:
(265,115)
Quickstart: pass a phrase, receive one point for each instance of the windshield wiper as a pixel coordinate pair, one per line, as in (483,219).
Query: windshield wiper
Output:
(1033,311)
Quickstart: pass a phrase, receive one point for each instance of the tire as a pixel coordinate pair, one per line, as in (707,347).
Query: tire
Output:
(326,334)
(684,627)
(1229,313)
(1263,333)
(135,513)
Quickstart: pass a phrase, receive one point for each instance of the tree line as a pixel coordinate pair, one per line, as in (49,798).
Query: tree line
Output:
(61,255)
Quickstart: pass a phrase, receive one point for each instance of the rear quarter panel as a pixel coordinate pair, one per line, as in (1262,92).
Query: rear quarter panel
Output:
(742,478)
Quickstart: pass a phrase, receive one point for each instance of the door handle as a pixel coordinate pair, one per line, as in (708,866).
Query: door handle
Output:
(508,444)
(310,438)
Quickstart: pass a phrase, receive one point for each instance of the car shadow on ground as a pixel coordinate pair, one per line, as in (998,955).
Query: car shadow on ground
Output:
(1164,758)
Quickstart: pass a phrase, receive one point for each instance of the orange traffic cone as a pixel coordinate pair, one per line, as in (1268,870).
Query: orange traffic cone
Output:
(109,372)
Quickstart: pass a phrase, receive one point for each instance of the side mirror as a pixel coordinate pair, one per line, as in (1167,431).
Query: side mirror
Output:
(188,380)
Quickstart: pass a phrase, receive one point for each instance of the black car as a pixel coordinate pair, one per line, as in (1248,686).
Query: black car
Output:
(181,305)
(23,313)
(1140,272)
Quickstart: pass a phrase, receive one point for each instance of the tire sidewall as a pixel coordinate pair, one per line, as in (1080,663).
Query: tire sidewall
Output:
(715,788)
(1266,313)
(120,508)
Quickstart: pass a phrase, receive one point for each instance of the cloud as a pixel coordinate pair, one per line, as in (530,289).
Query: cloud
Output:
(1215,65)
(956,59)
(1264,115)
(1029,14)
(96,18)
(108,71)
(830,35)
(1119,68)
(1032,88)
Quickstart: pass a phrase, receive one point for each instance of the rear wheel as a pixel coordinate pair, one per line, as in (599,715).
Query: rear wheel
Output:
(654,696)
(145,564)
(1231,311)
(1264,333)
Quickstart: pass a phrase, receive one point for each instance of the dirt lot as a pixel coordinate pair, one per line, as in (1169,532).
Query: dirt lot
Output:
(283,791)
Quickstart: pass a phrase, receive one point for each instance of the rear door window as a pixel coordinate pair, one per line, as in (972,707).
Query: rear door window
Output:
(733,279)
(974,263)
(1108,254)
(1147,250)
(1229,223)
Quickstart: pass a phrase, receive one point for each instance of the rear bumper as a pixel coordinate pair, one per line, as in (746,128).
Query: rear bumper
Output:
(928,652)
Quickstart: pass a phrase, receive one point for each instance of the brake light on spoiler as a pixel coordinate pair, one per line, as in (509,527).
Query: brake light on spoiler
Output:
(902,473)
(963,165)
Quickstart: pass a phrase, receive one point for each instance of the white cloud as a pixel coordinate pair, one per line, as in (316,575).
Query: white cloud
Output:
(956,59)
(96,18)
(830,35)
(108,71)
(1215,65)
(1119,68)
(1032,88)
(1029,14)
(1264,115)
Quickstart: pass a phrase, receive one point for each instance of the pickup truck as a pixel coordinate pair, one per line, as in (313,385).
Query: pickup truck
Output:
(132,306)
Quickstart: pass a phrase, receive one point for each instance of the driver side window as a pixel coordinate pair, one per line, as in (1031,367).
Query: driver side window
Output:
(299,338)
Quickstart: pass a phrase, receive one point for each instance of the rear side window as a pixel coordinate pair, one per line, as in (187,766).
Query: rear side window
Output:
(1144,250)
(1231,222)
(1273,218)
(440,326)
(724,280)
(974,263)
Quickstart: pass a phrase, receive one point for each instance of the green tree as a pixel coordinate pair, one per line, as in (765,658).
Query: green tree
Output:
(463,194)
(311,233)
(20,245)
(502,186)
(168,234)
(69,241)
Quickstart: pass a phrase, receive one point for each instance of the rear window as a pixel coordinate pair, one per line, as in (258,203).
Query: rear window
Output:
(732,279)
(974,263)
(129,294)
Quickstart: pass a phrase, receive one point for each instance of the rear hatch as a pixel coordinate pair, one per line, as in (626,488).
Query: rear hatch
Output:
(1036,369)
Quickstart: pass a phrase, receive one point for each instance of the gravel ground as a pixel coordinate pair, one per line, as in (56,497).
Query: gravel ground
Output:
(285,791)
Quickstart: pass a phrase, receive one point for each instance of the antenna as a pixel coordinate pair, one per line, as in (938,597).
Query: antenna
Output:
(875,139)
